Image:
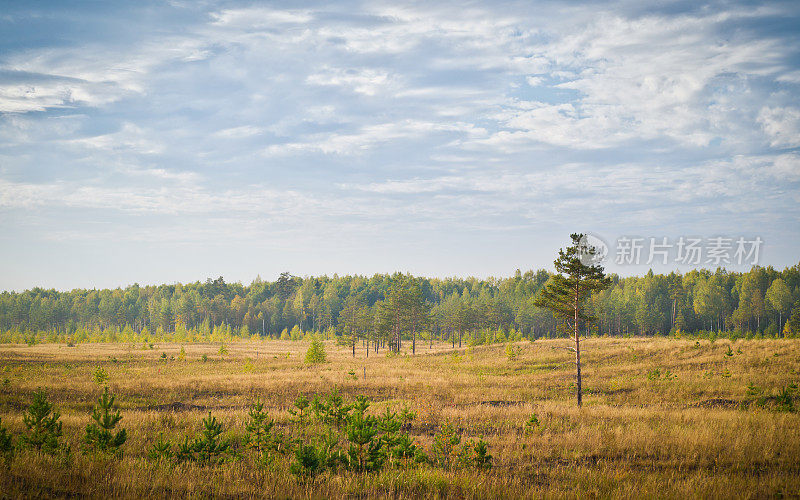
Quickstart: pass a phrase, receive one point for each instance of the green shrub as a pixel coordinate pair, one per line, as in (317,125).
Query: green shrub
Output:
(100,376)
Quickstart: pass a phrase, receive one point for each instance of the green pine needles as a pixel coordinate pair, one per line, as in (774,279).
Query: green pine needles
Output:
(365,451)
(161,449)
(6,444)
(100,435)
(260,434)
(328,434)
(565,293)
(42,421)
(316,353)
(208,447)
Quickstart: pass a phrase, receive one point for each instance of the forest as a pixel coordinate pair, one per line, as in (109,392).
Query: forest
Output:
(389,311)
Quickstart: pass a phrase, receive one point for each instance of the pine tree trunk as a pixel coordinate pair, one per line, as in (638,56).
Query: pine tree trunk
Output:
(577,349)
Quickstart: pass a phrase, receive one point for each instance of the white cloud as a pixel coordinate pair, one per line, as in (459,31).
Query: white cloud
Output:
(130,137)
(363,81)
(782,126)
(534,81)
(254,18)
(239,132)
(639,79)
(371,136)
(475,116)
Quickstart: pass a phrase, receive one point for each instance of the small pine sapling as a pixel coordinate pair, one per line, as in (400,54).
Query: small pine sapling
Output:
(100,435)
(330,456)
(445,444)
(389,424)
(161,449)
(42,421)
(532,424)
(482,458)
(184,451)
(306,463)
(6,444)
(405,450)
(784,399)
(316,353)
(406,417)
(209,446)
(365,452)
(260,436)
(336,412)
(301,403)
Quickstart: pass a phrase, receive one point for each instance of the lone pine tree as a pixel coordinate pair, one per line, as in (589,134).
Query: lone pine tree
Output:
(567,290)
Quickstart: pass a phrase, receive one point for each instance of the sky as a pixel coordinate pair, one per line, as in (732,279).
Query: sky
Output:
(163,142)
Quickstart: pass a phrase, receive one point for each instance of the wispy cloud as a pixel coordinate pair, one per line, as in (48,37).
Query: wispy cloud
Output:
(386,118)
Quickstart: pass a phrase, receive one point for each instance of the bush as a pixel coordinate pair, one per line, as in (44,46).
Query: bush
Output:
(512,351)
(316,353)
(100,376)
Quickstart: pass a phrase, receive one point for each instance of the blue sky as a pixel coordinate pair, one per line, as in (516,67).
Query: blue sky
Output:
(158,142)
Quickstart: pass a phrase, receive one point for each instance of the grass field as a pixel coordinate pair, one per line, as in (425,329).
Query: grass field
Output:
(661,417)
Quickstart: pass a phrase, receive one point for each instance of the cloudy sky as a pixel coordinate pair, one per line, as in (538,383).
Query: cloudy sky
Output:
(173,141)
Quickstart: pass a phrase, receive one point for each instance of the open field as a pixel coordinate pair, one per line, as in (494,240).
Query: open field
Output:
(661,417)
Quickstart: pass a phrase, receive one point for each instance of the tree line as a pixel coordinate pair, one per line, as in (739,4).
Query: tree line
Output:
(396,310)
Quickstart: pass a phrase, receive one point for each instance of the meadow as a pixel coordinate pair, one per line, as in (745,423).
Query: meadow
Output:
(661,417)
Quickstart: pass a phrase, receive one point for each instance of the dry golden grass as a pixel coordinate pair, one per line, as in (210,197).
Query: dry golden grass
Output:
(661,418)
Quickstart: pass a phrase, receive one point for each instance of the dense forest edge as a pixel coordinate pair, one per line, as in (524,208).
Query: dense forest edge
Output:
(391,311)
